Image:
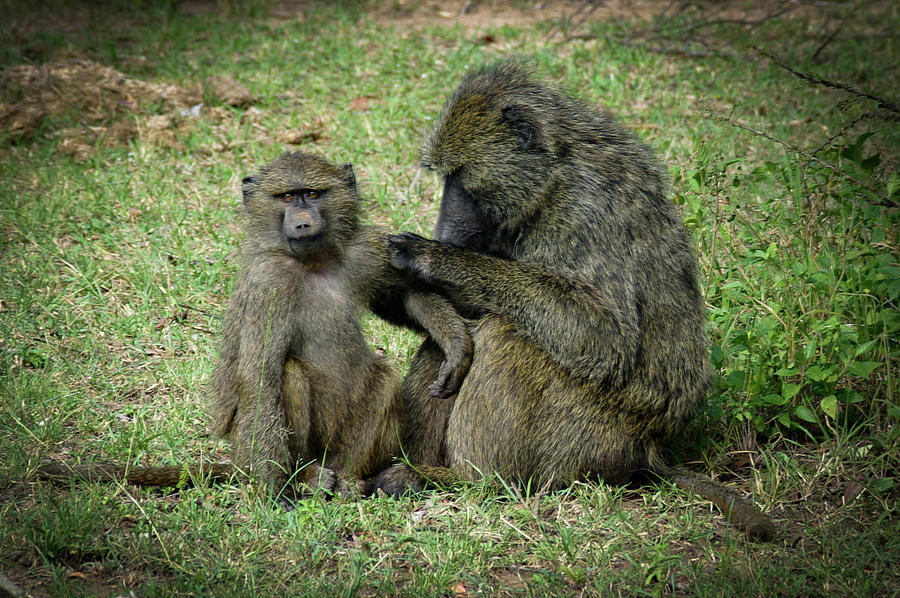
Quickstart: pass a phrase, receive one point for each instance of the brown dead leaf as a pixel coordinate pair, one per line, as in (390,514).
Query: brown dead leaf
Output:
(158,122)
(459,590)
(165,138)
(297,137)
(229,91)
(118,133)
(853,490)
(21,120)
(79,151)
(361,103)
(217,114)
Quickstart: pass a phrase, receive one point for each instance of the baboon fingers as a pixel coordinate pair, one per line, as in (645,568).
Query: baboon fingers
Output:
(349,488)
(448,381)
(406,251)
(317,479)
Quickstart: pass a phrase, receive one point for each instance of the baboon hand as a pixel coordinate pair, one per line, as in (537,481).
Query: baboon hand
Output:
(411,253)
(349,488)
(318,479)
(451,374)
(447,382)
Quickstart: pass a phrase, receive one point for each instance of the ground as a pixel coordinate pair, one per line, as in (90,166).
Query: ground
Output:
(126,130)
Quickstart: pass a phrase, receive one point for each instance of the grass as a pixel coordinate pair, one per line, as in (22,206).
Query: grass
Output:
(118,234)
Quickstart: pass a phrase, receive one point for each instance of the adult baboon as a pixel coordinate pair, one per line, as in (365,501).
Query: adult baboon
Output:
(296,384)
(555,233)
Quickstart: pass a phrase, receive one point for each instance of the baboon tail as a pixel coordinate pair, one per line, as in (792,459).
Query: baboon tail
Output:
(737,509)
(167,475)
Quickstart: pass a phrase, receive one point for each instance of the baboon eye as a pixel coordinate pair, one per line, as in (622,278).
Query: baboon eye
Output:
(305,194)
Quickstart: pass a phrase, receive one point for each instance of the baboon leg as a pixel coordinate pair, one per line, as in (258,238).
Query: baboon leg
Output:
(532,427)
(260,440)
(380,420)
(529,426)
(295,393)
(426,415)
(486,432)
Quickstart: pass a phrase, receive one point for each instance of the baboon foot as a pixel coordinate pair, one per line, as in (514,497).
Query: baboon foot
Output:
(397,481)
(349,488)
(317,479)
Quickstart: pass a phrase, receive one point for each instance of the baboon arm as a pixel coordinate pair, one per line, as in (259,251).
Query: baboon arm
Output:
(224,397)
(264,328)
(396,296)
(439,318)
(590,331)
(259,371)
(403,299)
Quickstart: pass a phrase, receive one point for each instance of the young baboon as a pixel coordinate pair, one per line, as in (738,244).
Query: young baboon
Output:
(296,384)
(555,233)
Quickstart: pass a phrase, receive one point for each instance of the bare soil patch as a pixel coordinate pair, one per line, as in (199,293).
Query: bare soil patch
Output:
(86,104)
(99,100)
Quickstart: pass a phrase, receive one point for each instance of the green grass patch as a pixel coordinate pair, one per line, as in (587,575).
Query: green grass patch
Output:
(118,233)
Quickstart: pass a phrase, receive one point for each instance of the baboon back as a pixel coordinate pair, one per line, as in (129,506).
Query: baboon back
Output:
(555,230)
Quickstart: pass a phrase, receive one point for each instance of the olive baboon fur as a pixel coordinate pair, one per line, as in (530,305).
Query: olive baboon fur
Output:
(555,234)
(298,392)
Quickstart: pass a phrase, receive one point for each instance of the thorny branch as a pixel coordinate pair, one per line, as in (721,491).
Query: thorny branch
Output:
(575,21)
(882,103)
(885,201)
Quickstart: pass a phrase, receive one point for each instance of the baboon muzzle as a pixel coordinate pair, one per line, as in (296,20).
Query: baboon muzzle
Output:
(301,225)
(459,221)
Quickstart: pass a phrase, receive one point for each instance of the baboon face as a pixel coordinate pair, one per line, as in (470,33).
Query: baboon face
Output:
(301,204)
(460,221)
(490,148)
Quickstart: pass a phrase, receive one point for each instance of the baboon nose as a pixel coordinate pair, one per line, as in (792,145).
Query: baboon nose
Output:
(300,226)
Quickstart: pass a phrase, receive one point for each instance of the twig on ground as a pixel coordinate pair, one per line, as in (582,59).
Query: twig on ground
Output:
(415,181)
(577,19)
(772,14)
(675,51)
(466,6)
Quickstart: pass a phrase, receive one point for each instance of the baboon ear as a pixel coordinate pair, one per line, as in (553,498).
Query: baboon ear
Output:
(247,186)
(522,122)
(347,171)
